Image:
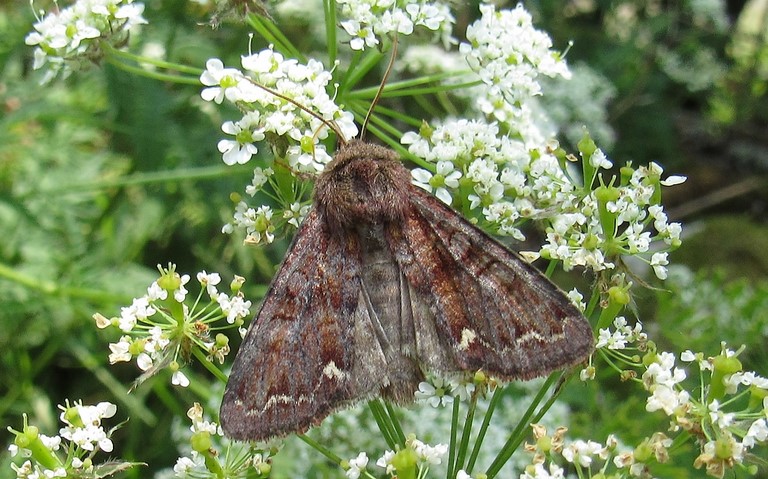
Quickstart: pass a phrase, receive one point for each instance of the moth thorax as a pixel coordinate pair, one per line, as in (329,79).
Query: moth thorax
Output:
(363,184)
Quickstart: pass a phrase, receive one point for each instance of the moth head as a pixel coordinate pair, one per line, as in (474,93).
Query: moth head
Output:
(364,183)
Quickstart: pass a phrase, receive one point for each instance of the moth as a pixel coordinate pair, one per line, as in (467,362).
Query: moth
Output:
(381,283)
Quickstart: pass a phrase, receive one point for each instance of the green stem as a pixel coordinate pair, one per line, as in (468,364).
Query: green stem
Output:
(518,434)
(593,301)
(395,423)
(272,34)
(329,7)
(465,433)
(396,88)
(198,353)
(564,378)
(50,288)
(452,445)
(154,61)
(483,429)
(385,426)
(148,178)
(118,61)
(321,449)
(369,60)
(400,117)
(551,268)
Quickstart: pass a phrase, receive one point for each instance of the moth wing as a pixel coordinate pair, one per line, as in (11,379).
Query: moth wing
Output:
(477,305)
(295,365)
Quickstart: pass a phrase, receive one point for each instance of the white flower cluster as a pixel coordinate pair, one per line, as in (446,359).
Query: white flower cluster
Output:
(368,20)
(661,379)
(277,95)
(491,166)
(238,459)
(425,456)
(83,425)
(727,434)
(154,333)
(509,53)
(615,220)
(270,89)
(622,335)
(66,39)
(539,471)
(579,452)
(82,435)
(587,455)
(508,183)
(256,222)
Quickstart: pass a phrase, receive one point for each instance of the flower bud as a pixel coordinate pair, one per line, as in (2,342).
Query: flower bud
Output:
(201,441)
(404,462)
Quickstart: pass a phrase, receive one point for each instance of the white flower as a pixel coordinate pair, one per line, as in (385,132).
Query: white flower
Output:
(69,39)
(144,361)
(537,471)
(235,307)
(674,180)
(184,465)
(139,310)
(119,351)
(599,160)
(385,461)
(659,262)
(155,292)
(582,452)
(758,432)
(364,20)
(222,82)
(666,399)
(181,292)
(687,356)
(577,299)
(435,393)
(296,213)
(723,420)
(361,36)
(445,177)
(429,454)
(587,374)
(246,131)
(615,340)
(209,281)
(260,178)
(90,435)
(179,379)
(357,466)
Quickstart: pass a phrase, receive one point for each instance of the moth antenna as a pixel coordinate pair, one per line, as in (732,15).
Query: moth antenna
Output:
(329,123)
(381,86)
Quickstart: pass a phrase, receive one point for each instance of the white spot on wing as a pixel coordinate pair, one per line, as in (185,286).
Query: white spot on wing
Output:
(280,399)
(333,372)
(467,338)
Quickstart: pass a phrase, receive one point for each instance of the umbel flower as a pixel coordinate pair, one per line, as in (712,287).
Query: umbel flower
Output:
(75,37)
(159,330)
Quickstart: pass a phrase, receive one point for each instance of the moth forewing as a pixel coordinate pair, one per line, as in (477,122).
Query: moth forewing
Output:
(381,284)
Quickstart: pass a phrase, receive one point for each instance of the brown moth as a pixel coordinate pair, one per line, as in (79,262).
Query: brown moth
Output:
(381,283)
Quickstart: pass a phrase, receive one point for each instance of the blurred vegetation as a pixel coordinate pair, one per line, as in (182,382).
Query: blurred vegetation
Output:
(104,175)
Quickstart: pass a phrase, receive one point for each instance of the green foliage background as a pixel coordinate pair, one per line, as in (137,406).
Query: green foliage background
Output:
(104,175)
